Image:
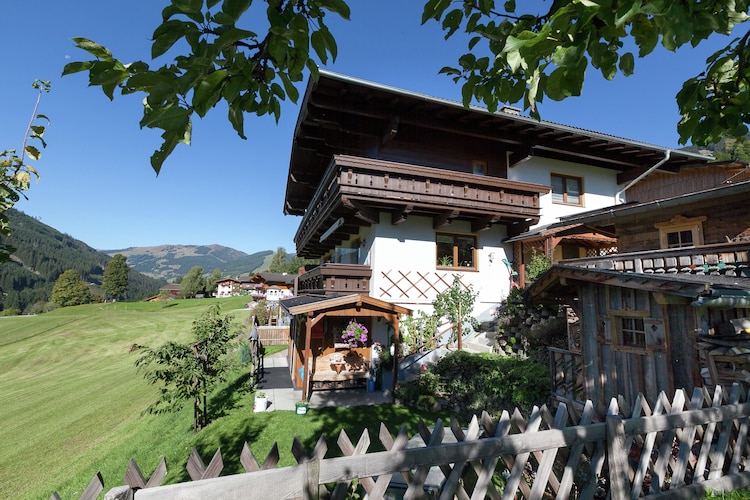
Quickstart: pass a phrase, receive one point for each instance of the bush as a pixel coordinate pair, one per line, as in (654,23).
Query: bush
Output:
(10,312)
(472,383)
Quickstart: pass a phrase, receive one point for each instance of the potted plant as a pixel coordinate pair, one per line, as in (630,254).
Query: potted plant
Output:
(300,407)
(261,402)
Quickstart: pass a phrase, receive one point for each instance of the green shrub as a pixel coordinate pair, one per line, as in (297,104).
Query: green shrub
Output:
(10,312)
(471,383)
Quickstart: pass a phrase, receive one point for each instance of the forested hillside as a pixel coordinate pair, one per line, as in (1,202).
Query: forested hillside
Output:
(171,261)
(42,254)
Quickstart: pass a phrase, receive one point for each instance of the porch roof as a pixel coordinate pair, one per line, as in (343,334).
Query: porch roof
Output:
(555,284)
(364,304)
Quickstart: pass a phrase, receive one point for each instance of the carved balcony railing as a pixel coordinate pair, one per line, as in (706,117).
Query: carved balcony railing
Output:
(335,279)
(358,189)
(730,259)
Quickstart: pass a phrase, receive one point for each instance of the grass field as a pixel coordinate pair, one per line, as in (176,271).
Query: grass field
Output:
(71,402)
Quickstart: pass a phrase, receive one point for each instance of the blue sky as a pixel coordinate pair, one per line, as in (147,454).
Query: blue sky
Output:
(97,184)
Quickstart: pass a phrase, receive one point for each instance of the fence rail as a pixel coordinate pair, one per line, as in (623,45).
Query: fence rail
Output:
(680,448)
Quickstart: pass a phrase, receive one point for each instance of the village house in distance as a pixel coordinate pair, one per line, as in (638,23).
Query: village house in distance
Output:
(399,193)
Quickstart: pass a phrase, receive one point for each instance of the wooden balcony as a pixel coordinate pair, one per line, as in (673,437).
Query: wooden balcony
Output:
(335,279)
(729,259)
(354,191)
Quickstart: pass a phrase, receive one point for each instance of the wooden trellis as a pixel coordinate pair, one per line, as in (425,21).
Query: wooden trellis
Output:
(682,447)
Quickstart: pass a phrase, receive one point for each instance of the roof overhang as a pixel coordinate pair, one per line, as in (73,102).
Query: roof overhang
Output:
(338,112)
(318,304)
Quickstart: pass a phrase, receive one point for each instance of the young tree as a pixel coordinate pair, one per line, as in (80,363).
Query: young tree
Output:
(211,281)
(513,55)
(456,305)
(116,277)
(193,282)
(70,290)
(15,173)
(279,262)
(190,371)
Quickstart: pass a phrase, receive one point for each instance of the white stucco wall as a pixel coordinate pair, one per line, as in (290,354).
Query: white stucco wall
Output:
(599,185)
(404,271)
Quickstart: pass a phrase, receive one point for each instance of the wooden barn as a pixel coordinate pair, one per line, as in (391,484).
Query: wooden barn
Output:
(664,313)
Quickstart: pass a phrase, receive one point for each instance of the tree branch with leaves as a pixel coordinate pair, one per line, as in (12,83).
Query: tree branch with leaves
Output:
(513,55)
(15,172)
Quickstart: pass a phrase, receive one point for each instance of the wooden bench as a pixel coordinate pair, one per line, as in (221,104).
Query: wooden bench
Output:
(341,369)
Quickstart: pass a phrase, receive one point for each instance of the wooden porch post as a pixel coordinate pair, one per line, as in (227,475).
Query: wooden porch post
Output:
(306,358)
(396,351)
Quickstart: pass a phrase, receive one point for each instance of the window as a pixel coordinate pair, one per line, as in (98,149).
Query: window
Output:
(632,332)
(566,189)
(681,232)
(479,167)
(456,250)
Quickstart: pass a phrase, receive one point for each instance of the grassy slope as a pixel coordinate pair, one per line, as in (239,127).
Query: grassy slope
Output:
(71,403)
(69,390)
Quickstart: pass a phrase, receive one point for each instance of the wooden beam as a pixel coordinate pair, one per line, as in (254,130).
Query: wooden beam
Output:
(361,211)
(391,130)
(483,223)
(399,216)
(444,219)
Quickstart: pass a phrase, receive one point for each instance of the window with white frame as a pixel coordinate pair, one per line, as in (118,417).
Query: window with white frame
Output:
(681,232)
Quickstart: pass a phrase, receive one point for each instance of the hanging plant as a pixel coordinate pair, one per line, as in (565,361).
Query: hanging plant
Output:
(354,335)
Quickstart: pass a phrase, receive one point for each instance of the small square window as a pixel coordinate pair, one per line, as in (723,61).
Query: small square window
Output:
(456,250)
(567,190)
(632,332)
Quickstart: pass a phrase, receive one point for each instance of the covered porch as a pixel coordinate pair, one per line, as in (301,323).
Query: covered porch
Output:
(317,358)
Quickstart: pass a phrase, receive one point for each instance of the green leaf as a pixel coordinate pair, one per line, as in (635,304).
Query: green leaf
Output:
(452,21)
(191,8)
(167,34)
(237,118)
(338,6)
(76,67)
(434,9)
(208,91)
(289,87)
(627,63)
(318,42)
(93,48)
(33,152)
(235,8)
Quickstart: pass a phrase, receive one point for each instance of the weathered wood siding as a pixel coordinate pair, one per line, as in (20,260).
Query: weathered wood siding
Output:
(667,362)
(726,220)
(659,185)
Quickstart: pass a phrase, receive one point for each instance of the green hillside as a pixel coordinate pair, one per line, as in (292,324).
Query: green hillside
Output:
(42,254)
(71,398)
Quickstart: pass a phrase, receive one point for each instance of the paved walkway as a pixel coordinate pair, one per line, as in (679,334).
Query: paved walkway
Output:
(281,395)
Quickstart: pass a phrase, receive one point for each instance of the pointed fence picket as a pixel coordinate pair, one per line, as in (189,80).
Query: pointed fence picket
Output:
(679,448)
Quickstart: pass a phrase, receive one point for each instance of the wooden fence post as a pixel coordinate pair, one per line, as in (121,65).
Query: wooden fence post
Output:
(617,456)
(310,490)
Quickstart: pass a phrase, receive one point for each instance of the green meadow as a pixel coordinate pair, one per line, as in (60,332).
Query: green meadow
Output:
(71,402)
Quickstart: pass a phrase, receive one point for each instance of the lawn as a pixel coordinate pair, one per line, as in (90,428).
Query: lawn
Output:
(71,402)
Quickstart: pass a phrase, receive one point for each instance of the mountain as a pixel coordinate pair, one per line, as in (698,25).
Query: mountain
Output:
(42,254)
(170,261)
